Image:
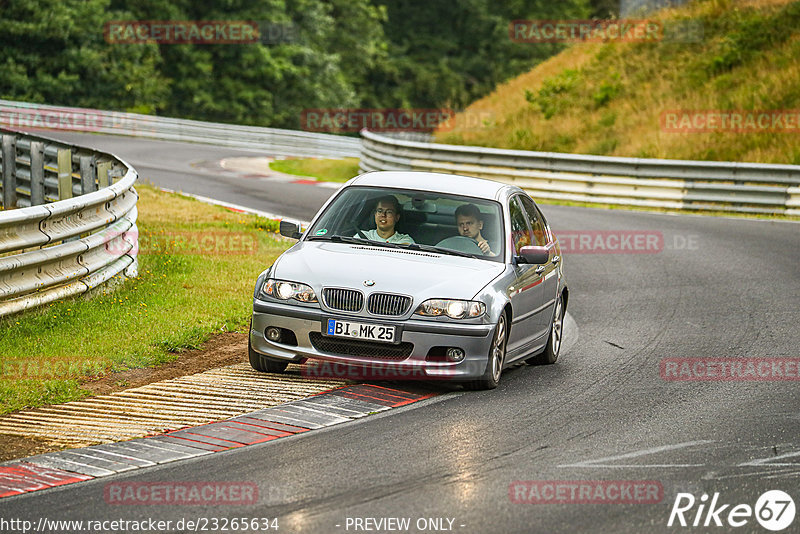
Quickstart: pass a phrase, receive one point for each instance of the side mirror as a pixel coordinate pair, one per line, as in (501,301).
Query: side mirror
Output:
(535,255)
(290,229)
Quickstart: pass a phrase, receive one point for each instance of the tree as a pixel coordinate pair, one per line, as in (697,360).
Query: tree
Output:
(447,53)
(55,53)
(341,53)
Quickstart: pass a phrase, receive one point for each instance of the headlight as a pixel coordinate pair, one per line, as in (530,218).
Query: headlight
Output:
(283,290)
(455,309)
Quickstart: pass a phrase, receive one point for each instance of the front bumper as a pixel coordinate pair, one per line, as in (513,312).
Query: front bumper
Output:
(474,339)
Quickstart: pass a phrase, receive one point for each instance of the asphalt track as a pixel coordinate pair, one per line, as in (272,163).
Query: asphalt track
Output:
(192,168)
(718,288)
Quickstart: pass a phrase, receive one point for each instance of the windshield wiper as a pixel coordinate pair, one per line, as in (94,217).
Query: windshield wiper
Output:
(344,239)
(439,250)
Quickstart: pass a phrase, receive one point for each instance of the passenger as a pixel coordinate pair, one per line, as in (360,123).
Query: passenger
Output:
(387,214)
(470,224)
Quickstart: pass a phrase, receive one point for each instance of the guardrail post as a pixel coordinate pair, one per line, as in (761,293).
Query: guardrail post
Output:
(88,173)
(9,172)
(64,173)
(102,174)
(37,173)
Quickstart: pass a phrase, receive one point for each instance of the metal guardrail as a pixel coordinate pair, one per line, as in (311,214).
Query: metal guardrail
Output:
(274,141)
(76,225)
(675,184)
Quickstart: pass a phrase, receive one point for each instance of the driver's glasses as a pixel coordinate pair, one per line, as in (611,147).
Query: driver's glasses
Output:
(388,213)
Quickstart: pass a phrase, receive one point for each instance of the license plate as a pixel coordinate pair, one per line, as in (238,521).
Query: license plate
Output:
(365,331)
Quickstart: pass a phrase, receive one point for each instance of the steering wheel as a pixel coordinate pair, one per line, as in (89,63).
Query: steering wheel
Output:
(351,229)
(461,243)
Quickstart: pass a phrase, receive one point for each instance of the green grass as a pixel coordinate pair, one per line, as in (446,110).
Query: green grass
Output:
(197,269)
(328,170)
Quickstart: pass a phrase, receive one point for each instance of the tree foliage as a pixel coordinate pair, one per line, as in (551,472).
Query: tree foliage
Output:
(55,53)
(343,53)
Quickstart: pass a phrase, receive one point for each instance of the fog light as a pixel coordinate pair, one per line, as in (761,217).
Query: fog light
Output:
(455,355)
(274,334)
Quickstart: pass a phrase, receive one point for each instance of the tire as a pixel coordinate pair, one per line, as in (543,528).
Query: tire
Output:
(550,354)
(262,363)
(497,357)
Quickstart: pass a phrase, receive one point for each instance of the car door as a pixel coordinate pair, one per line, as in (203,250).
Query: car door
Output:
(543,238)
(527,291)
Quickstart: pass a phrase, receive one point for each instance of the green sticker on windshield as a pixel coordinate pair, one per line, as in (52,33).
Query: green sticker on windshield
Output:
(322,232)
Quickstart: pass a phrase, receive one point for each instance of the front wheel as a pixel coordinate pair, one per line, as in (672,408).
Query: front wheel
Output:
(550,354)
(497,357)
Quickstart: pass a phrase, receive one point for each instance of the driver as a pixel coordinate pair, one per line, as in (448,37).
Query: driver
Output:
(387,213)
(470,224)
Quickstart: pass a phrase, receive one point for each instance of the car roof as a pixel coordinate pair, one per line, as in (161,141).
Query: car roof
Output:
(433,181)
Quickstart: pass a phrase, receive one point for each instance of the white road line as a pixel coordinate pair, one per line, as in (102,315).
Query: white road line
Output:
(208,200)
(769,461)
(637,454)
(628,466)
(782,475)
(330,185)
(775,472)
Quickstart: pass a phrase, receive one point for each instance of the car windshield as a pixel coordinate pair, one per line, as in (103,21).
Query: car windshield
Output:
(419,220)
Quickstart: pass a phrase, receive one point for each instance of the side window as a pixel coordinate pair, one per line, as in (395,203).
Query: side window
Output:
(548,232)
(520,233)
(537,222)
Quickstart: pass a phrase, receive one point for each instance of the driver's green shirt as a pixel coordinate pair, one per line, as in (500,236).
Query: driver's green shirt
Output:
(403,239)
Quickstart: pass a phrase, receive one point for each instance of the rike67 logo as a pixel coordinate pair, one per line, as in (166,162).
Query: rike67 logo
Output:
(774,510)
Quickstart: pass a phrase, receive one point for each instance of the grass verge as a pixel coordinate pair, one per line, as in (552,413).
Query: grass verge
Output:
(197,267)
(327,170)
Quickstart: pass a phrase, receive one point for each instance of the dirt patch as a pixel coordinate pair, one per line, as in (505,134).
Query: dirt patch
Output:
(13,447)
(221,350)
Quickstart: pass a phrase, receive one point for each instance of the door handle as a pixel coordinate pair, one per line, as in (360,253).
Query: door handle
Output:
(556,259)
(539,269)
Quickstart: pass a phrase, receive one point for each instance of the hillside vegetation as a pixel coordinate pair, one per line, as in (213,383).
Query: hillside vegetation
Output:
(608,98)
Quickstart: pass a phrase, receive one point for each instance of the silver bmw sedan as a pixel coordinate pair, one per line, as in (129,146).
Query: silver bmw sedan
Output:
(414,275)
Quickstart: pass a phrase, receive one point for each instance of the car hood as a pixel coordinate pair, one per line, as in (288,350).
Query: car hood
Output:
(416,273)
